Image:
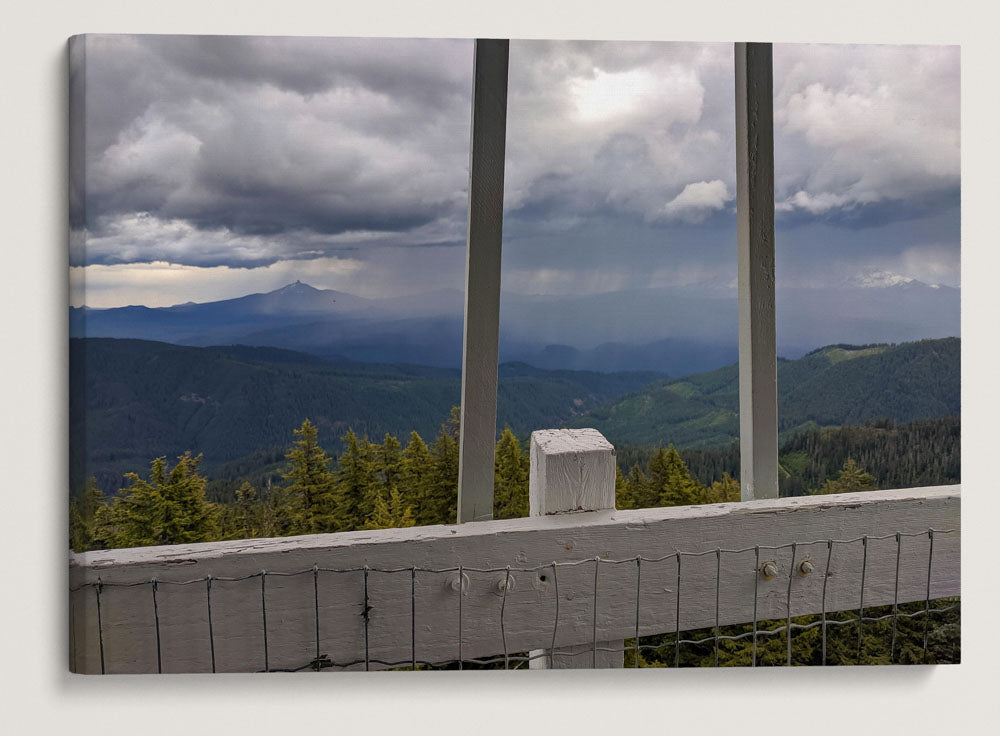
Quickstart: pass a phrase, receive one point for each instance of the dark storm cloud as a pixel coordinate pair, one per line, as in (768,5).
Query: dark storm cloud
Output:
(247,152)
(273,136)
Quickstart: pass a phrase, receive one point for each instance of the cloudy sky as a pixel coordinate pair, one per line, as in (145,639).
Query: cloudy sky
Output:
(212,167)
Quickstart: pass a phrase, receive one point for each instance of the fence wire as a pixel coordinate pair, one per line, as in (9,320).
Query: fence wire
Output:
(322,661)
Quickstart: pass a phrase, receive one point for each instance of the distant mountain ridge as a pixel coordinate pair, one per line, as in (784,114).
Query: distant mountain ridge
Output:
(832,386)
(675,330)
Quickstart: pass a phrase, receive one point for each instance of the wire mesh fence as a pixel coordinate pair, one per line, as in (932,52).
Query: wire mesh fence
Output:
(754,643)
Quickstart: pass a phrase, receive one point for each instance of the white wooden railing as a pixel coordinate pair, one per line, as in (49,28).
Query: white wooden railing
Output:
(444,593)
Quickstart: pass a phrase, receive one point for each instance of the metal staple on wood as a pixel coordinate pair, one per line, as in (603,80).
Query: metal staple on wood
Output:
(321,661)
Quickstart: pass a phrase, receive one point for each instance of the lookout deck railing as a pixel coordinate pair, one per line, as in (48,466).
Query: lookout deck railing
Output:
(562,588)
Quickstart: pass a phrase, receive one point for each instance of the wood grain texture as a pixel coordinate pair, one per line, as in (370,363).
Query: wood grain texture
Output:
(482,282)
(571,470)
(529,610)
(755,272)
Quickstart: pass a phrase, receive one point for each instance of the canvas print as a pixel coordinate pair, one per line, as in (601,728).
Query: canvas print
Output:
(423,354)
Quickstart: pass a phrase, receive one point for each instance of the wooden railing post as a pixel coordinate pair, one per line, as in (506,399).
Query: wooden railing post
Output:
(573,470)
(755,245)
(478,425)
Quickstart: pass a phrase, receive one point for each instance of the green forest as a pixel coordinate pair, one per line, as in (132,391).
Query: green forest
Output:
(838,385)
(132,400)
(924,452)
(374,485)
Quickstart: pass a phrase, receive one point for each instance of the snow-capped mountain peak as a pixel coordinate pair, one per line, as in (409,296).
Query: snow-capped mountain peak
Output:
(879,279)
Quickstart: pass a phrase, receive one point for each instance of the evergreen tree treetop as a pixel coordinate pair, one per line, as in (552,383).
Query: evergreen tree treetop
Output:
(167,508)
(850,479)
(310,498)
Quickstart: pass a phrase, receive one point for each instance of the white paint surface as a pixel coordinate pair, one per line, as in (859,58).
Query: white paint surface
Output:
(481,325)
(127,613)
(755,271)
(571,470)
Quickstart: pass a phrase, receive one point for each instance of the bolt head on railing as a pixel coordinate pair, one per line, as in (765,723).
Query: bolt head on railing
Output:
(505,583)
(459,583)
(806,567)
(769,570)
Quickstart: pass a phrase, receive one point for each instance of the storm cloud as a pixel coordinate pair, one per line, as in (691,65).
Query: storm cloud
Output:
(253,153)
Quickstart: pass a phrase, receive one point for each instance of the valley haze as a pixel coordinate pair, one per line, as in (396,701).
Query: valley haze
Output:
(675,330)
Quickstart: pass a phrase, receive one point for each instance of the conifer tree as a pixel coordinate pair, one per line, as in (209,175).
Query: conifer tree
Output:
(623,498)
(190,518)
(389,513)
(309,499)
(454,424)
(136,517)
(389,457)
(850,479)
(442,501)
(510,484)
(82,517)
(639,493)
(357,482)
(416,480)
(168,508)
(249,516)
(726,490)
(671,481)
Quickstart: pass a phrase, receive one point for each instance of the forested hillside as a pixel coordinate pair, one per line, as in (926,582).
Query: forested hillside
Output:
(836,385)
(898,455)
(131,400)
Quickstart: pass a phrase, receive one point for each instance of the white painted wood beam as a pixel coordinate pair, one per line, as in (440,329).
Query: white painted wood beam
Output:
(755,243)
(482,282)
(128,622)
(573,470)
